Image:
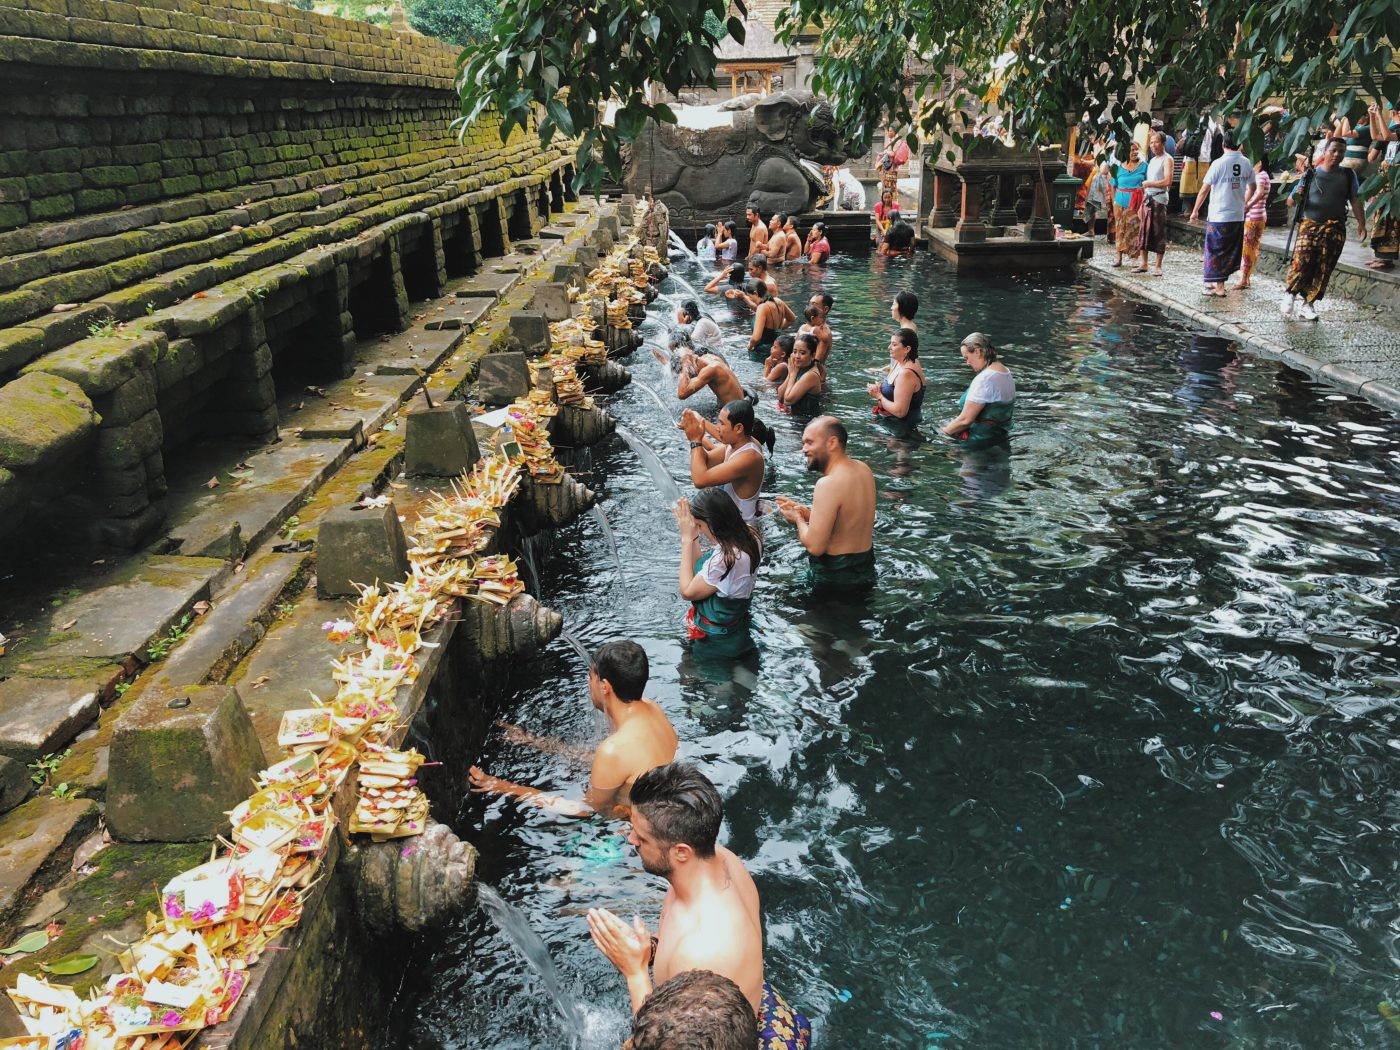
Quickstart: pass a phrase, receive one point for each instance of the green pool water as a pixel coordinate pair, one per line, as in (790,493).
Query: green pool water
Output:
(1107,761)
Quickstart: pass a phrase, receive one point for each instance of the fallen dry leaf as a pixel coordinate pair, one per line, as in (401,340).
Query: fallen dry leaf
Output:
(237,567)
(212,483)
(68,626)
(100,561)
(200,608)
(200,295)
(261,680)
(63,308)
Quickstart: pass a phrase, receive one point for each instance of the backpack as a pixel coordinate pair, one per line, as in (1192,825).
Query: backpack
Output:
(1191,145)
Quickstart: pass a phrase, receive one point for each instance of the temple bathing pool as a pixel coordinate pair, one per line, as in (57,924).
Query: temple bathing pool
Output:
(1108,761)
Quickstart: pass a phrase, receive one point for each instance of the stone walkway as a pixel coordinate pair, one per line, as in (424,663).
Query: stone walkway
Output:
(1351,346)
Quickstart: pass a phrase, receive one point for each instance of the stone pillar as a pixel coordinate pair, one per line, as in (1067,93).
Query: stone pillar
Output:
(970,228)
(1039,227)
(340,327)
(440,441)
(945,201)
(439,257)
(397,290)
(361,546)
(503,218)
(1004,214)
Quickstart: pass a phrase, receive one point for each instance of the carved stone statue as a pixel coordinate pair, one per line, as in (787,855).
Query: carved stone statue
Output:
(701,175)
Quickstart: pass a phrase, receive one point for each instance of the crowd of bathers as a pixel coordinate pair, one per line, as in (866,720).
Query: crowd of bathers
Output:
(700,980)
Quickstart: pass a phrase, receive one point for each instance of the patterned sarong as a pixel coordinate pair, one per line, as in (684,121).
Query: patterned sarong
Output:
(1385,239)
(1224,246)
(1249,253)
(1153,233)
(1129,226)
(1315,254)
(780,1027)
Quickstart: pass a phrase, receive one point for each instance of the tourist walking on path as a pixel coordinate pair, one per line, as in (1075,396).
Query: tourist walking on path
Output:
(800,392)
(1384,155)
(718,582)
(838,528)
(1256,217)
(986,408)
(1152,237)
(711,918)
(1225,188)
(899,400)
(1322,232)
(641,739)
(729,454)
(1128,178)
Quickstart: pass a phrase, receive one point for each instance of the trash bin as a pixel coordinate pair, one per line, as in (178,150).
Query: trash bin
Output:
(1062,194)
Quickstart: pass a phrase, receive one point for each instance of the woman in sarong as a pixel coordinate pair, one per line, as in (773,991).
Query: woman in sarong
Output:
(718,582)
(1322,233)
(1127,202)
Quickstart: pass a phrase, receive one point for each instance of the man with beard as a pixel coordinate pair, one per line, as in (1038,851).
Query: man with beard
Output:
(710,919)
(837,529)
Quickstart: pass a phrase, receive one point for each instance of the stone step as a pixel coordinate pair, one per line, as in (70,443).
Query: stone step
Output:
(353,406)
(492,284)
(39,716)
(34,840)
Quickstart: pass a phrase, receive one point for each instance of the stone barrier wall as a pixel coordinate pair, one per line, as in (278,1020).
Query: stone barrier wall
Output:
(206,206)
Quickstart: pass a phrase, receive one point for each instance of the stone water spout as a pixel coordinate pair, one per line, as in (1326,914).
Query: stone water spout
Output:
(523,626)
(413,884)
(574,426)
(607,378)
(538,506)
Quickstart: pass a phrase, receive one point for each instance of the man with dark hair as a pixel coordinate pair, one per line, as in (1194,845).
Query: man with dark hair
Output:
(758,232)
(699,327)
(710,919)
(641,739)
(695,1010)
(838,528)
(1226,186)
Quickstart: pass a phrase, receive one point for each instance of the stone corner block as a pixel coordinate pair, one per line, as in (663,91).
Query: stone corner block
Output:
(42,418)
(364,546)
(38,716)
(440,441)
(180,760)
(502,377)
(552,300)
(529,331)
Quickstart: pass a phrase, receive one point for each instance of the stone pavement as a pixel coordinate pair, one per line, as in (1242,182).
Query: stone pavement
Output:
(1352,346)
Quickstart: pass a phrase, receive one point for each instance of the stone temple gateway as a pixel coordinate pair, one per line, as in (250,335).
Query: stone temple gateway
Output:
(203,209)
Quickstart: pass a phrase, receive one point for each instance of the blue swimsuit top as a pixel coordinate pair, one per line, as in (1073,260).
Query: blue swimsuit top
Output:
(916,403)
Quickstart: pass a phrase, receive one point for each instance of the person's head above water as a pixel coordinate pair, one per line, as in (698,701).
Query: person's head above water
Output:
(710,230)
(783,344)
(740,415)
(693,1009)
(824,300)
(906,342)
(977,343)
(716,510)
(622,667)
(906,305)
(737,273)
(758,264)
(823,438)
(676,815)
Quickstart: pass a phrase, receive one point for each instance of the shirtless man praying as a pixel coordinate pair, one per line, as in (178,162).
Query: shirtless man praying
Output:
(838,528)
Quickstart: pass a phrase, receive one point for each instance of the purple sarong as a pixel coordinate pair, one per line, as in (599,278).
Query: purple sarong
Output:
(1224,246)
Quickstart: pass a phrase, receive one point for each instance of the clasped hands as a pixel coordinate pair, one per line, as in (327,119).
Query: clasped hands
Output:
(693,424)
(793,511)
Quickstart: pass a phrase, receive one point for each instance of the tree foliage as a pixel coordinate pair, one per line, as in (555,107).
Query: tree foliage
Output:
(460,22)
(1043,61)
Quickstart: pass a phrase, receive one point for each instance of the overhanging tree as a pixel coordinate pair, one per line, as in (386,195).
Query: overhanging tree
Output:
(1044,61)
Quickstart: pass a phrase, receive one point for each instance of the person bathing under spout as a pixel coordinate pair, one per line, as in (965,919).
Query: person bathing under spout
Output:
(711,917)
(641,739)
(838,528)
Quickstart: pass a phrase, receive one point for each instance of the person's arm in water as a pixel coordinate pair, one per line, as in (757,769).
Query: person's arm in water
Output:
(815,524)
(549,745)
(965,418)
(605,781)
(760,318)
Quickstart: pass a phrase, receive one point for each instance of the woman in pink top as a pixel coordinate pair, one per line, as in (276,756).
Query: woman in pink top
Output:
(1256,206)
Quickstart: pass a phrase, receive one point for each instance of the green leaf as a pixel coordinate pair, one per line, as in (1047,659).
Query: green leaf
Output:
(559,113)
(30,942)
(70,964)
(736,30)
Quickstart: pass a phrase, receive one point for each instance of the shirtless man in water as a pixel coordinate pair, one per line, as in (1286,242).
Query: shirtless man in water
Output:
(838,528)
(758,232)
(641,739)
(698,371)
(710,918)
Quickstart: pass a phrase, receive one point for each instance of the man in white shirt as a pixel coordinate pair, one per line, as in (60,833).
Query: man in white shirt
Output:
(1225,186)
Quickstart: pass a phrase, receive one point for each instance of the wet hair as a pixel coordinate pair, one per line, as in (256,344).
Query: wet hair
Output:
(737,273)
(709,229)
(761,289)
(623,665)
(909,339)
(827,301)
(784,343)
(978,341)
(741,414)
(728,225)
(680,804)
(812,313)
(691,309)
(680,340)
(808,340)
(908,304)
(782,218)
(695,1008)
(833,427)
(820,227)
(733,535)
(758,261)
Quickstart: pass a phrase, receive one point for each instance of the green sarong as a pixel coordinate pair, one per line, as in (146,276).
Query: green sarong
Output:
(716,616)
(991,427)
(846,571)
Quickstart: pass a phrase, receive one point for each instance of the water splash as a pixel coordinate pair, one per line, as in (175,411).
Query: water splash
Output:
(687,289)
(578,647)
(655,397)
(676,242)
(596,512)
(652,462)
(533,951)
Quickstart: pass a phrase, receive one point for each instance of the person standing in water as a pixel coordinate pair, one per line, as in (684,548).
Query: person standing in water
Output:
(718,582)
(902,310)
(800,392)
(711,918)
(987,406)
(838,528)
(696,1008)
(699,371)
(899,400)
(641,739)
(729,455)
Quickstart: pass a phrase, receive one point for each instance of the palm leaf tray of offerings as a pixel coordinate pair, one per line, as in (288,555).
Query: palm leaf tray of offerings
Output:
(536,453)
(390,803)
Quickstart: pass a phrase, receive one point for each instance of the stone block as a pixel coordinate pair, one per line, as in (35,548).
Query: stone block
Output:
(363,546)
(567,274)
(42,419)
(586,255)
(603,239)
(611,224)
(529,331)
(180,760)
(14,783)
(101,364)
(553,301)
(501,378)
(39,716)
(440,441)
(34,837)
